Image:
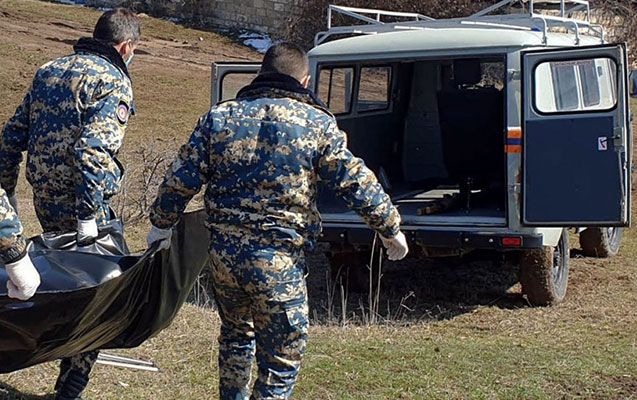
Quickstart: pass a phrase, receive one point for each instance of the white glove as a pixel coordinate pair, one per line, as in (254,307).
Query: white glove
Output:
(86,231)
(24,279)
(14,203)
(396,247)
(159,235)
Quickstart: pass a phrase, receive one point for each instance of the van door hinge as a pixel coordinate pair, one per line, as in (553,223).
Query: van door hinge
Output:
(618,138)
(514,74)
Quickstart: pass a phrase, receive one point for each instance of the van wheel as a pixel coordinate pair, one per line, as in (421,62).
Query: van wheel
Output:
(544,273)
(600,242)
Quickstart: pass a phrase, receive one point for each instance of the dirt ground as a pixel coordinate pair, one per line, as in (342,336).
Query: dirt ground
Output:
(171,75)
(430,305)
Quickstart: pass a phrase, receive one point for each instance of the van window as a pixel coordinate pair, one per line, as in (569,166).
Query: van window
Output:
(575,85)
(493,74)
(590,83)
(335,88)
(373,92)
(565,86)
(232,82)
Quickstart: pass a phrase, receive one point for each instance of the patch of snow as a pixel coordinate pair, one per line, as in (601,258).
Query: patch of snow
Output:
(257,41)
(80,3)
(250,35)
(173,19)
(71,2)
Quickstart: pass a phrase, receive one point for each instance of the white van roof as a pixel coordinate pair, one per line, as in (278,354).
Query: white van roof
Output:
(384,33)
(437,39)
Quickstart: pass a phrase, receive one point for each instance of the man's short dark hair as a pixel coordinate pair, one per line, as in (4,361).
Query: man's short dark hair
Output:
(286,58)
(117,26)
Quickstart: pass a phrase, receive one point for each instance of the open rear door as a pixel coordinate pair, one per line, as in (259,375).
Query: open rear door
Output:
(229,77)
(576,141)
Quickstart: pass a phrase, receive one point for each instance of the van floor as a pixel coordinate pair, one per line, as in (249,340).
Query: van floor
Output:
(412,203)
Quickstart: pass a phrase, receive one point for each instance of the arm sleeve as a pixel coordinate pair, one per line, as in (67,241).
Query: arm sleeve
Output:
(12,244)
(348,176)
(99,141)
(14,141)
(184,179)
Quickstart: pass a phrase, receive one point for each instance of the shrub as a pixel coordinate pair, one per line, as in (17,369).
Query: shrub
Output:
(312,20)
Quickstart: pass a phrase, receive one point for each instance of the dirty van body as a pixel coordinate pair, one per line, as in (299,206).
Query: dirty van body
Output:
(489,132)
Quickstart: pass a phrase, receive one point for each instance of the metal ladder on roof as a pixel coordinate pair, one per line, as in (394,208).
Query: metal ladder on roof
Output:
(536,15)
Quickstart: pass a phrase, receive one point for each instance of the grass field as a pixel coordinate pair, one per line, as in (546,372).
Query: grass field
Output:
(468,334)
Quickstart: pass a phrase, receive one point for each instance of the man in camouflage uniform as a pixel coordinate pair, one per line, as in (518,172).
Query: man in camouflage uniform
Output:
(71,124)
(261,156)
(23,277)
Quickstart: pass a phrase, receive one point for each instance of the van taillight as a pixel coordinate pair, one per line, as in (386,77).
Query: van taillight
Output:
(512,241)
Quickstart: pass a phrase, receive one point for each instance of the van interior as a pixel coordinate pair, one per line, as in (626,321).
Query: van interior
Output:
(433,131)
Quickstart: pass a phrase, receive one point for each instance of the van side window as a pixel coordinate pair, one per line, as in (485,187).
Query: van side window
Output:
(373,92)
(232,82)
(590,83)
(565,86)
(335,88)
(493,74)
(575,85)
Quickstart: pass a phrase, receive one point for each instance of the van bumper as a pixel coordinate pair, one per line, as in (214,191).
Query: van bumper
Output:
(452,239)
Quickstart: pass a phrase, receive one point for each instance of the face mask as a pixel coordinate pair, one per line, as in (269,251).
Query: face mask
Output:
(130,59)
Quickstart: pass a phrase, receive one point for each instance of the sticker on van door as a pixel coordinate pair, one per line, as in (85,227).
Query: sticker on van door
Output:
(602,143)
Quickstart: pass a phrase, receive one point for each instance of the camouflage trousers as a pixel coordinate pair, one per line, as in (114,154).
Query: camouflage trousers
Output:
(74,374)
(262,300)
(57,215)
(60,216)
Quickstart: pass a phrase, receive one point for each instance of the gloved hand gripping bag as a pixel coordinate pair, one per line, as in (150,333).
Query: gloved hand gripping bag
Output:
(98,296)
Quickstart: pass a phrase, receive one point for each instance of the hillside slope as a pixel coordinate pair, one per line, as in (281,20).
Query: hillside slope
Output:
(461,330)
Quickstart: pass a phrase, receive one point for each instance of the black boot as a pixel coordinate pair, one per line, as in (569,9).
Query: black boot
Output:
(65,366)
(72,387)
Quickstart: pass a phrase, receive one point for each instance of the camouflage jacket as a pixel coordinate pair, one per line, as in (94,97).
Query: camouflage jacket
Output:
(12,244)
(71,123)
(261,156)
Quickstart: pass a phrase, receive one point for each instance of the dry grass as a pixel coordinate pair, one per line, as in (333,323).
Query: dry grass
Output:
(470,334)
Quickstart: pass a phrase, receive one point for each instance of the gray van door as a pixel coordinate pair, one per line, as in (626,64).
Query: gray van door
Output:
(576,144)
(229,77)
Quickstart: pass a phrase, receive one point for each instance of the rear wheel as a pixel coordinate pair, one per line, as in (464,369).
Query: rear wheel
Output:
(601,242)
(544,273)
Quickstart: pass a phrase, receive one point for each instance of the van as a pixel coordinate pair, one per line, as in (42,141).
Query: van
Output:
(498,131)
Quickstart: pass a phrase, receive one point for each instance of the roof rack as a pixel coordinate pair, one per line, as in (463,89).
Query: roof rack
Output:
(372,25)
(561,14)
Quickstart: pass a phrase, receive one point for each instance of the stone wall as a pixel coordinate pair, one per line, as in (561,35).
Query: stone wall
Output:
(261,15)
(266,16)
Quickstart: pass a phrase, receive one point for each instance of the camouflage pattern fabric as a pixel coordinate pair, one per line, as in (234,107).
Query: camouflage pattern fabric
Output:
(74,374)
(12,244)
(56,217)
(261,156)
(71,123)
(60,216)
(262,300)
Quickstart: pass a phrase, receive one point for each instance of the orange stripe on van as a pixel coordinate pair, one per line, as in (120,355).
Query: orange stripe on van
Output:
(514,133)
(513,149)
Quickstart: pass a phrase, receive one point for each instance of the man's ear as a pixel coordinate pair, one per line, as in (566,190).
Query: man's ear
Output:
(124,48)
(305,82)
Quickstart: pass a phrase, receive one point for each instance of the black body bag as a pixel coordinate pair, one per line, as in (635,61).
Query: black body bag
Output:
(99,297)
